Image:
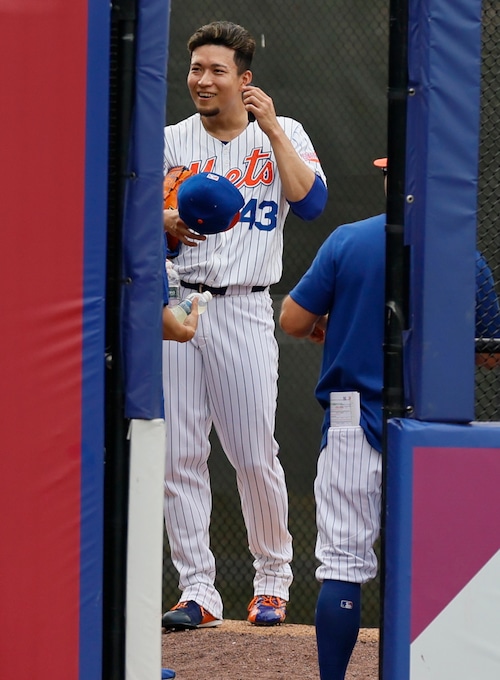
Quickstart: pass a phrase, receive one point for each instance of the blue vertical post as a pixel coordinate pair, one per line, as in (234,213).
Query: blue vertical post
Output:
(444,64)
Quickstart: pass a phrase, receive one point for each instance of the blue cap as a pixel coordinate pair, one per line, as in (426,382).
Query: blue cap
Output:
(209,203)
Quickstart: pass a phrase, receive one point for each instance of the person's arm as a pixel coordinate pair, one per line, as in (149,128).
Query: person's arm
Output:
(181,332)
(297,178)
(299,323)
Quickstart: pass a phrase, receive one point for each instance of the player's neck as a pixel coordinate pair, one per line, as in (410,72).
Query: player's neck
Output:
(226,127)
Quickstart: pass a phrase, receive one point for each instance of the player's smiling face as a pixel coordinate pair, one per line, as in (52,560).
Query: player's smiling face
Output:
(213,80)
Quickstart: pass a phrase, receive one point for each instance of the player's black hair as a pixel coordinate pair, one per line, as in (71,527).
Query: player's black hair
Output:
(230,35)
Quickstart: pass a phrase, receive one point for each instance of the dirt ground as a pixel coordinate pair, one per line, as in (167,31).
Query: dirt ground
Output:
(237,650)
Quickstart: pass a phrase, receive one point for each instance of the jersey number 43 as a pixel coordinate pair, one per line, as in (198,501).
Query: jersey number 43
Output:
(267,212)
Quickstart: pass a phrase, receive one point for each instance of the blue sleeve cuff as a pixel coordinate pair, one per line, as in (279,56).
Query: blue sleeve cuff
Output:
(313,204)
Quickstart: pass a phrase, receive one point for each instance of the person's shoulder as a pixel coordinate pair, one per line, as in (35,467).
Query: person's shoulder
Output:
(288,123)
(352,232)
(373,222)
(188,122)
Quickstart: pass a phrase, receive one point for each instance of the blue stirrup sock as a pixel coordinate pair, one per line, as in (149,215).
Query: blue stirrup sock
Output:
(337,621)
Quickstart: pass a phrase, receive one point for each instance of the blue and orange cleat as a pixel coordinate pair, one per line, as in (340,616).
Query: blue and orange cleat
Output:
(188,615)
(167,674)
(266,610)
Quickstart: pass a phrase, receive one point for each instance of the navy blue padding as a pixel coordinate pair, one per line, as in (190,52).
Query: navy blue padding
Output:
(440,216)
(93,379)
(143,222)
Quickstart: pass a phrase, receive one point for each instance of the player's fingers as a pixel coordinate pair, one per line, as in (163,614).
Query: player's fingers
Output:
(180,231)
(189,238)
(194,306)
(262,108)
(254,92)
(191,320)
(317,335)
(256,97)
(251,98)
(193,235)
(187,241)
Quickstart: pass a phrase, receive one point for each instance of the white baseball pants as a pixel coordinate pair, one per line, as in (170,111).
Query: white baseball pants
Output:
(227,375)
(347,489)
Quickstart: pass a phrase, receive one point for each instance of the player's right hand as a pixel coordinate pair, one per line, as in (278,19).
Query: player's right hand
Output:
(259,103)
(317,334)
(174,226)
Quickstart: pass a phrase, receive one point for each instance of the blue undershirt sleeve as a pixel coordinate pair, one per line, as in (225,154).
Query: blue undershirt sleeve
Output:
(313,204)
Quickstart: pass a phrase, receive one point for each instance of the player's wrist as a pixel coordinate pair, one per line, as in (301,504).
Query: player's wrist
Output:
(275,133)
(169,220)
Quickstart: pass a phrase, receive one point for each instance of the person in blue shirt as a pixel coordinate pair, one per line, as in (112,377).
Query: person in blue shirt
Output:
(340,302)
(487,305)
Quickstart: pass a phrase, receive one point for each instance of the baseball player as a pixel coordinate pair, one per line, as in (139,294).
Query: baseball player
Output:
(340,302)
(227,375)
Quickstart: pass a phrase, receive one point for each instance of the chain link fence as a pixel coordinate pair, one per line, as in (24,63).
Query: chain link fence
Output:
(325,64)
(488,350)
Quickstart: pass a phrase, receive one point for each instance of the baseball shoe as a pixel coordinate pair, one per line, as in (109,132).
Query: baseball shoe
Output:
(188,614)
(167,673)
(266,610)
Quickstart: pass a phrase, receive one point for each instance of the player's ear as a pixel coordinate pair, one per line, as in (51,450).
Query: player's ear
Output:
(246,78)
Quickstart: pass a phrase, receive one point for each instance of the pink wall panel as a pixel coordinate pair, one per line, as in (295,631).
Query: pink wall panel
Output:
(42,137)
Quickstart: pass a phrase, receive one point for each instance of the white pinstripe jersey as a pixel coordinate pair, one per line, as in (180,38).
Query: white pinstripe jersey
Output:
(250,254)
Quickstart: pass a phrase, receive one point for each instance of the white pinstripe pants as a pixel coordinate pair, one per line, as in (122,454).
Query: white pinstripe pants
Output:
(347,489)
(227,375)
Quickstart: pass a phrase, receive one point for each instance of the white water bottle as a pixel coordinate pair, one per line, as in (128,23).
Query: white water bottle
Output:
(181,310)
(174,284)
(203,300)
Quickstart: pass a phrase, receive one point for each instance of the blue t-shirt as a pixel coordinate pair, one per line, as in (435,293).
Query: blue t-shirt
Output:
(487,306)
(347,281)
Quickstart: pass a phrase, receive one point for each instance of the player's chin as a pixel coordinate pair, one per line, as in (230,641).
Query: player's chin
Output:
(209,112)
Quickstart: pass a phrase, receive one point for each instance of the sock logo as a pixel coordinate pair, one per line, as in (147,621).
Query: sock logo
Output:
(346,604)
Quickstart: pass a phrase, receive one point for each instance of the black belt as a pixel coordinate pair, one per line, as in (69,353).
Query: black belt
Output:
(201,288)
